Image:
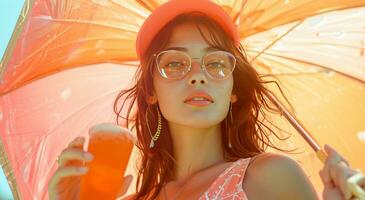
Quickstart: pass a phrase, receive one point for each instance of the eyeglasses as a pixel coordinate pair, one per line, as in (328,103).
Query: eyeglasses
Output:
(173,64)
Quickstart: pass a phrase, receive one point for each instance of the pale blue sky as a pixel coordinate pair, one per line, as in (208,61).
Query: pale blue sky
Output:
(9,12)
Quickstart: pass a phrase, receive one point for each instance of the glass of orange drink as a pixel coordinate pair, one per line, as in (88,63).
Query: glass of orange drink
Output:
(111,146)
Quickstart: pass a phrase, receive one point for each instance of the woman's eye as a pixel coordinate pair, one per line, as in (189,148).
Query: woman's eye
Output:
(174,64)
(215,64)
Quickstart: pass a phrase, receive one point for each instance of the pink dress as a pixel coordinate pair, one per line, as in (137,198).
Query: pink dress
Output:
(228,185)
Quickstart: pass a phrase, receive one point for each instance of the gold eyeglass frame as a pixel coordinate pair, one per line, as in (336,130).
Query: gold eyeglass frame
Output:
(202,66)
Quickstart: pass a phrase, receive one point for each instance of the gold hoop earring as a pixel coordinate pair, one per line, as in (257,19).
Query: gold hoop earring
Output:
(158,131)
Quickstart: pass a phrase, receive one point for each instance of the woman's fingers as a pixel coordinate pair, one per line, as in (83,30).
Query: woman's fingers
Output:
(73,154)
(336,156)
(332,159)
(70,161)
(331,193)
(325,178)
(337,171)
(65,172)
(70,171)
(340,174)
(77,143)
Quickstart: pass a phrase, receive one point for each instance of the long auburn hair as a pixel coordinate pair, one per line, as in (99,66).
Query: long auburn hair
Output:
(249,136)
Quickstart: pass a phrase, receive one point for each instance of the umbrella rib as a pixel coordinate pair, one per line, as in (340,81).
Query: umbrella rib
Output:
(336,44)
(91,23)
(318,65)
(277,62)
(237,17)
(65,44)
(151,6)
(134,11)
(14,85)
(295,73)
(43,47)
(276,40)
(319,12)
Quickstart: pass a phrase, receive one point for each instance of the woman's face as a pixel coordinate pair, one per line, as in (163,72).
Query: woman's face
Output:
(171,94)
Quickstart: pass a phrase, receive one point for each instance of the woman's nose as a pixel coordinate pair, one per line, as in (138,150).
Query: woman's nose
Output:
(197,74)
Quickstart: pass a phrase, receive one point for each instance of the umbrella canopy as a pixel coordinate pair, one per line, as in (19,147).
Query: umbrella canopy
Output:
(61,49)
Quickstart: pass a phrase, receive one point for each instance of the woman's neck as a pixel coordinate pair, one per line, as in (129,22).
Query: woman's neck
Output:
(195,149)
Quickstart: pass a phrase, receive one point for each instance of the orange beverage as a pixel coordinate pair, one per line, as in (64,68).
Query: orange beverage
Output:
(111,146)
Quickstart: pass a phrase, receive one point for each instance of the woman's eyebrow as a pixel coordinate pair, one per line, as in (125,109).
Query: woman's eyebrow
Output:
(210,48)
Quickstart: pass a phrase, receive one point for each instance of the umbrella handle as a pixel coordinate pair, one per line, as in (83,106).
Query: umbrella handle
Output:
(352,182)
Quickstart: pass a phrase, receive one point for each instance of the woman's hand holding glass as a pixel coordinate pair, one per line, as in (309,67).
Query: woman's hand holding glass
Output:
(78,178)
(65,182)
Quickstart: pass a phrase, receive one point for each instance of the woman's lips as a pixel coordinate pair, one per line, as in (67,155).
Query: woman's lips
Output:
(199,103)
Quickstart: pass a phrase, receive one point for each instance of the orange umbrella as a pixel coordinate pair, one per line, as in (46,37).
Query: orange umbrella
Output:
(68,60)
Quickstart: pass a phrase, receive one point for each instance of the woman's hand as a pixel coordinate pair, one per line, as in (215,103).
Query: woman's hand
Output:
(65,182)
(334,176)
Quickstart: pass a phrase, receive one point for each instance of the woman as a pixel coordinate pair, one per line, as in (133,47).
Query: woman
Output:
(199,134)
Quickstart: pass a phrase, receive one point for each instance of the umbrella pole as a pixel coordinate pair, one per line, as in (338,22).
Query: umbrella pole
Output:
(353,182)
(321,155)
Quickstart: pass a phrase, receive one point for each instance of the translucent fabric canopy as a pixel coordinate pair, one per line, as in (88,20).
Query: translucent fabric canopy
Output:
(68,60)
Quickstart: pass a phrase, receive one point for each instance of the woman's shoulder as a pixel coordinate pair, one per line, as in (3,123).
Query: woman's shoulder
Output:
(267,161)
(275,173)
(270,165)
(267,164)
(268,158)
